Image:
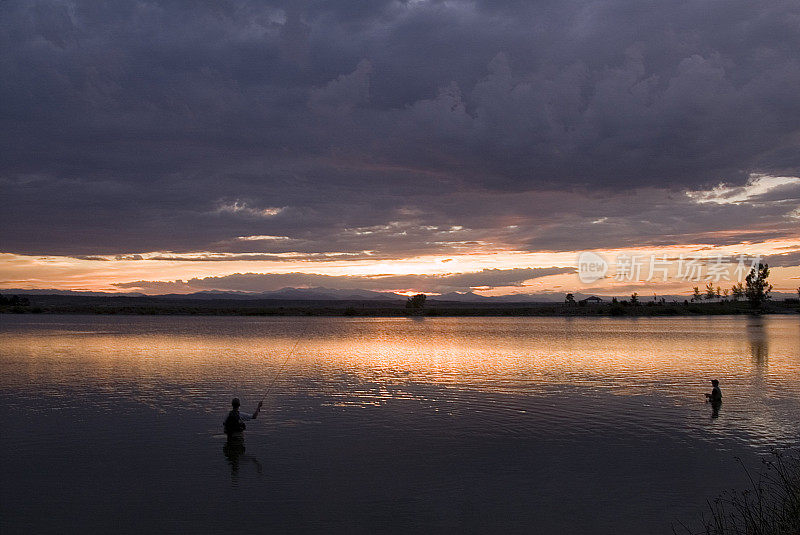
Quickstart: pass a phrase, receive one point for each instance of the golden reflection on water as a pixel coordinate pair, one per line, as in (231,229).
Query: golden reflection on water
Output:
(496,354)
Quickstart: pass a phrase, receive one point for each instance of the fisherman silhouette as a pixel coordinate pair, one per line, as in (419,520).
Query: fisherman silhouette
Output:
(234,426)
(715,397)
(234,423)
(716,393)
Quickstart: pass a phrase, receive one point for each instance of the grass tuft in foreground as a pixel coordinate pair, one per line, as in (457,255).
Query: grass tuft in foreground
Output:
(770,506)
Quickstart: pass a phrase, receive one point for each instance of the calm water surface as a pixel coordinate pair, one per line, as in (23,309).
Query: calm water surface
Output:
(445,425)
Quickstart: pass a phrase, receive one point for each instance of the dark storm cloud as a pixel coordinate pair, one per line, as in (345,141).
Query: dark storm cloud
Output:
(359,126)
(487,278)
(788,259)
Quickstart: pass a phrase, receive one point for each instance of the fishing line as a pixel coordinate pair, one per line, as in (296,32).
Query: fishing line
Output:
(286,360)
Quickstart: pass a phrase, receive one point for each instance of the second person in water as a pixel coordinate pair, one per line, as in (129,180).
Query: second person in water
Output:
(716,394)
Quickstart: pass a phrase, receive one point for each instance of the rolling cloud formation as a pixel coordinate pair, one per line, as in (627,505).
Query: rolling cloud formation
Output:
(392,129)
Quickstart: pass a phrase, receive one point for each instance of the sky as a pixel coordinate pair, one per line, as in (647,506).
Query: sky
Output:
(430,146)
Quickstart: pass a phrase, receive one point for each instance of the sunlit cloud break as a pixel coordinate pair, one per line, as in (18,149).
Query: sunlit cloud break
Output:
(263,238)
(243,208)
(758,187)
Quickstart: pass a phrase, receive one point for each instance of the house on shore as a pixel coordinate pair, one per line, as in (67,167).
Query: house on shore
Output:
(593,300)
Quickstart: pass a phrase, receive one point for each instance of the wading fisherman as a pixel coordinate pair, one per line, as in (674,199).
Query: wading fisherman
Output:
(234,423)
(716,394)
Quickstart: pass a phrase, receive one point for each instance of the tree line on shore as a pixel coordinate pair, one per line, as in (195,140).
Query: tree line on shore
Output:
(756,291)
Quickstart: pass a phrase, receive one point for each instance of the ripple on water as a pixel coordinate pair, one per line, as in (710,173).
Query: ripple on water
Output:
(419,413)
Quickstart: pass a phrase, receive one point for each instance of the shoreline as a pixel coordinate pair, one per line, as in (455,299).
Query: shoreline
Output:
(158,306)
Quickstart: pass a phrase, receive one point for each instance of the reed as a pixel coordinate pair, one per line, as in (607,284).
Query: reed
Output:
(769,506)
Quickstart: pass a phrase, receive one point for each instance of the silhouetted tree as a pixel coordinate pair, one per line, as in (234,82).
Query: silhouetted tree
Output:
(634,298)
(737,291)
(710,294)
(14,300)
(417,301)
(570,299)
(696,294)
(757,288)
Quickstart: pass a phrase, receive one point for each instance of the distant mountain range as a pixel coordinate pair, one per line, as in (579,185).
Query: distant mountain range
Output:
(301,294)
(331,294)
(306,294)
(294,294)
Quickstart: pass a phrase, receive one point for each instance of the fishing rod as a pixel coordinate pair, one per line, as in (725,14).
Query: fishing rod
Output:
(286,360)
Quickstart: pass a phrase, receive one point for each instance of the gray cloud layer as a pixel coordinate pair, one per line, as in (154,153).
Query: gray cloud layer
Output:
(259,282)
(379,126)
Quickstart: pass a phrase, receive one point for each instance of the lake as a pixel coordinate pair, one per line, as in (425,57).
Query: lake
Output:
(385,425)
